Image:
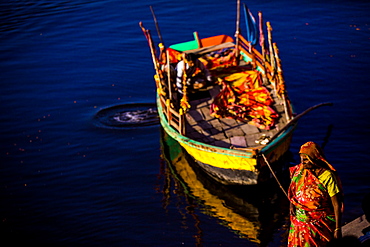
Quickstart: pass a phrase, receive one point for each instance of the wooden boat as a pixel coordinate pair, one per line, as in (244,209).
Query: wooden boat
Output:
(237,125)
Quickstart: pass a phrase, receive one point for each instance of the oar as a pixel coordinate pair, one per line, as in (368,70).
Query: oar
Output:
(295,119)
(156,25)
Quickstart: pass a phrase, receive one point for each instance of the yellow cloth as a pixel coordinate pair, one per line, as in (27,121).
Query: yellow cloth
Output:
(329,180)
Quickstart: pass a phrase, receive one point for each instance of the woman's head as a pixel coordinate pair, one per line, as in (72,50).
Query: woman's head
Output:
(307,162)
(313,150)
(312,155)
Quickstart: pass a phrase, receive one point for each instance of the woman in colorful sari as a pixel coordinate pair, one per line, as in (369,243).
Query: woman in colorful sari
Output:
(315,195)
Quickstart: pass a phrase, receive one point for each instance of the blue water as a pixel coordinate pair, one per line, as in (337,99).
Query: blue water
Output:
(66,181)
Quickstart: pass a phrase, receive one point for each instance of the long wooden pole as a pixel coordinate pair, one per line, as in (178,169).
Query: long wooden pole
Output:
(295,119)
(271,50)
(152,51)
(262,44)
(281,82)
(156,25)
(169,75)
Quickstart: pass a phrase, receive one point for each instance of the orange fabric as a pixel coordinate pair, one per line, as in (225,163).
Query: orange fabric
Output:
(243,98)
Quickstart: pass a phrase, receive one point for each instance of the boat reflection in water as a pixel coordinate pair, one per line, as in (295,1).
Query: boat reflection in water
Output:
(258,213)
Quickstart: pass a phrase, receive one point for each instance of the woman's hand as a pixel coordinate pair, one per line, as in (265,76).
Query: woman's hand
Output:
(338,233)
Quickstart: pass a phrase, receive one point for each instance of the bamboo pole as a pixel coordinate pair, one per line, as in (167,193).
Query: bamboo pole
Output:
(237,31)
(156,25)
(271,50)
(262,44)
(169,76)
(295,119)
(152,50)
(281,82)
(262,38)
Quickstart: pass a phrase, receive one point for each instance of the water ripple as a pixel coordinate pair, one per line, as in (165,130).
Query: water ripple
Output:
(127,116)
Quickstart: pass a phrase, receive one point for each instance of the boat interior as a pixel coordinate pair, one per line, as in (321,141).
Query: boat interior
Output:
(227,132)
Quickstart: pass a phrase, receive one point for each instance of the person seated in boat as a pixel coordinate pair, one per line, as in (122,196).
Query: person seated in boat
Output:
(193,71)
(163,66)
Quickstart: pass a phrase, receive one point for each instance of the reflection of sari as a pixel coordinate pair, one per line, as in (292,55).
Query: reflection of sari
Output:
(314,221)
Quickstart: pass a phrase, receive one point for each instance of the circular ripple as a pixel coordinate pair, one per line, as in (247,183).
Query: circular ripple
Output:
(127,116)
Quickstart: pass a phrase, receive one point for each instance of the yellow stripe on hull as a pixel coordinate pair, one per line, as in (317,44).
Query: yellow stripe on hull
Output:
(221,160)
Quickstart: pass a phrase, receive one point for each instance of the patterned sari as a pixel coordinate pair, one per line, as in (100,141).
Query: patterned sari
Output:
(314,221)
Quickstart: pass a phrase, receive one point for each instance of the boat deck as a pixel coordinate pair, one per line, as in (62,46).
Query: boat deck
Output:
(225,132)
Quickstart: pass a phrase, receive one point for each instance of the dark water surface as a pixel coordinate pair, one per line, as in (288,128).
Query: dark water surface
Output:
(68,181)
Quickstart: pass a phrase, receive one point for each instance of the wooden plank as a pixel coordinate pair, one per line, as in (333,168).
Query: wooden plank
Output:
(195,135)
(189,130)
(234,131)
(227,122)
(195,115)
(225,143)
(206,113)
(238,141)
(190,120)
(205,127)
(207,139)
(205,103)
(219,136)
(355,227)
(249,129)
(215,131)
(217,124)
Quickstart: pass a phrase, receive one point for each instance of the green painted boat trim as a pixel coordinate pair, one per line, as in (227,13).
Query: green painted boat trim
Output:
(185,46)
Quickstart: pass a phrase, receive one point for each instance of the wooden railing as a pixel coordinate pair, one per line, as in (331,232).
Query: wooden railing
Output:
(272,71)
(174,118)
(244,46)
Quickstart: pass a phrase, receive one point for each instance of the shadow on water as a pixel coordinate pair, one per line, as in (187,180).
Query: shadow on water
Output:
(127,116)
(258,213)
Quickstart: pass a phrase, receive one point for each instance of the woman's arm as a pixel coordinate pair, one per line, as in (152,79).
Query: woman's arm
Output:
(336,200)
